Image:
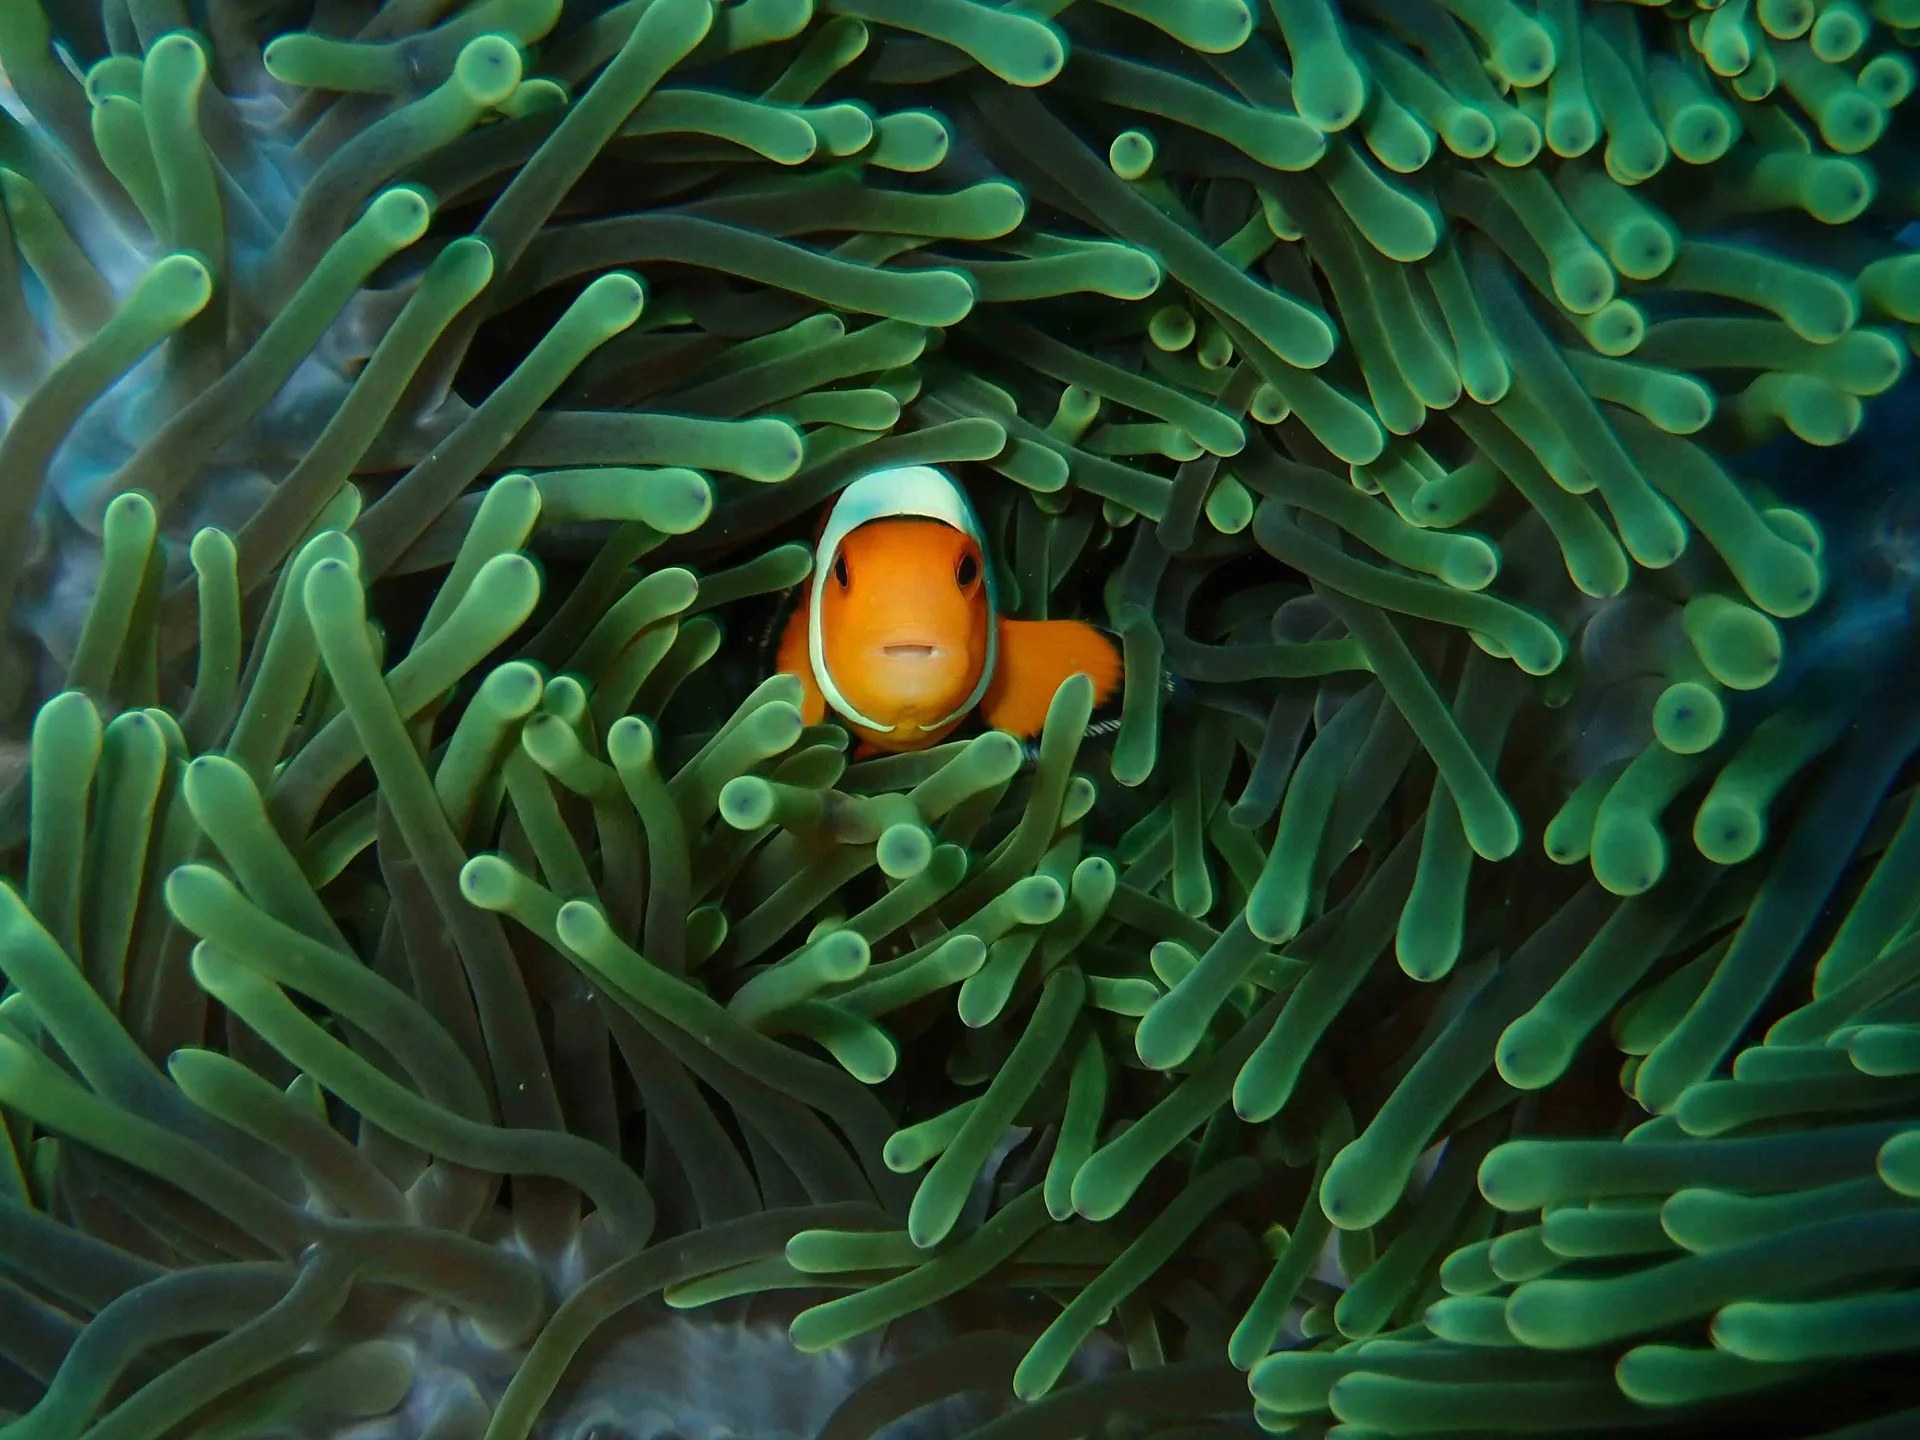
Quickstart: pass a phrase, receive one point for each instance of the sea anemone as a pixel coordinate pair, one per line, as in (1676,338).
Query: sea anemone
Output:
(451,988)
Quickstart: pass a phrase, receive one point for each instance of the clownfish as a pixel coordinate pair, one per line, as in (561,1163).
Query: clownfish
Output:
(899,634)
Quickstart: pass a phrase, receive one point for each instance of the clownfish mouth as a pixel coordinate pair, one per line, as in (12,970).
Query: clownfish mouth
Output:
(910,652)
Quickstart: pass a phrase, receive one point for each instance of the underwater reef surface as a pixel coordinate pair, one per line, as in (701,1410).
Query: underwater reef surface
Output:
(1470,987)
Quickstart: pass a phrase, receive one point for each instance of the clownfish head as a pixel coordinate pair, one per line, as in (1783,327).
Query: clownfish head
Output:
(902,620)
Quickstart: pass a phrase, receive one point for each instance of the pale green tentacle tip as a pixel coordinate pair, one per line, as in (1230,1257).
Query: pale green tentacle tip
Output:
(910,141)
(1027,54)
(466,264)
(1166,1034)
(488,70)
(1213,27)
(281,56)
(1629,853)
(177,59)
(1468,562)
(903,850)
(1740,647)
(1523,51)
(994,208)
(534,97)
(1898,1164)
(1615,329)
(130,518)
(174,290)
(783,688)
(1797,528)
(1171,328)
(1728,829)
(506,583)
(191,889)
(611,303)
(333,593)
(1493,829)
(747,802)
(630,742)
(488,882)
(1544,650)
(71,712)
(116,77)
(1131,154)
(1688,718)
(512,690)
(861,1048)
(1533,1050)
(1360,1186)
(400,216)
(212,552)
(945,298)
(844,957)
(677,588)
(582,928)
(1036,900)
(211,782)
(1790,581)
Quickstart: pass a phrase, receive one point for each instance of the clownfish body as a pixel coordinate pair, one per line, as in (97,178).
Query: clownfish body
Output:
(898,633)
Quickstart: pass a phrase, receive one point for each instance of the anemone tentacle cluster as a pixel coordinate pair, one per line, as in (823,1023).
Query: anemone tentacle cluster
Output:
(451,990)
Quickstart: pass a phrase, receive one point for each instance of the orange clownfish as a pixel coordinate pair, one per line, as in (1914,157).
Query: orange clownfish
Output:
(898,632)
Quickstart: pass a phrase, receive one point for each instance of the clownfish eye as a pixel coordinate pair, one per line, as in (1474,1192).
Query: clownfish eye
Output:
(968,572)
(840,570)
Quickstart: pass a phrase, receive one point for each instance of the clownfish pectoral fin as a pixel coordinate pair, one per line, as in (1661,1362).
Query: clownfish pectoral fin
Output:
(1036,658)
(792,659)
